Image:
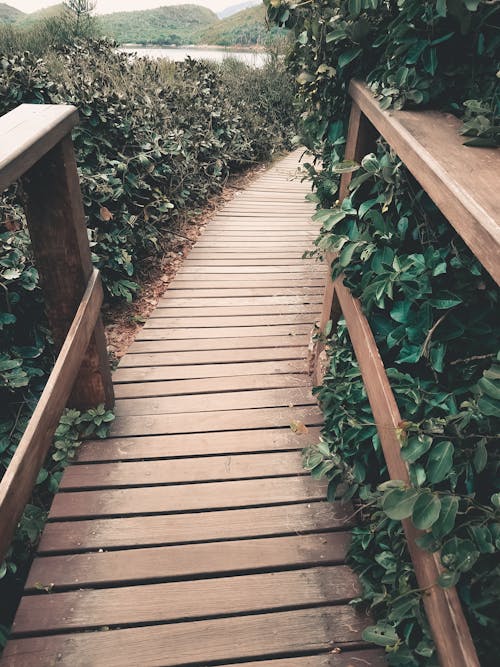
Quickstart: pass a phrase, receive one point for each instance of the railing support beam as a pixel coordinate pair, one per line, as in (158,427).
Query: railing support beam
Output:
(56,222)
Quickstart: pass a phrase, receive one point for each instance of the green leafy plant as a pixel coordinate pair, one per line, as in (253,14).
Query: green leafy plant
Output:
(432,307)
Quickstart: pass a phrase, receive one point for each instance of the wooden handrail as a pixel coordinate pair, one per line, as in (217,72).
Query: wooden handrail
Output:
(36,147)
(28,133)
(462,181)
(448,625)
(18,481)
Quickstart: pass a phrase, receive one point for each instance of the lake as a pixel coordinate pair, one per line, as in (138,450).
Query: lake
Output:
(252,58)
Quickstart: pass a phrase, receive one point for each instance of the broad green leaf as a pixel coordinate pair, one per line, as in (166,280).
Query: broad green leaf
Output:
(348,56)
(426,510)
(415,446)
(440,461)
(447,516)
(398,503)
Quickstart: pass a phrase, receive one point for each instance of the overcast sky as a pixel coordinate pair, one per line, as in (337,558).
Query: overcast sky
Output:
(105,6)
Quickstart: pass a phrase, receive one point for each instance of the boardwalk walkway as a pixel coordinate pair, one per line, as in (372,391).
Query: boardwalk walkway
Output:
(192,536)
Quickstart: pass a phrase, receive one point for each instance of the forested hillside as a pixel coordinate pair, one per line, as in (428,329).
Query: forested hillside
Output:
(178,24)
(247,27)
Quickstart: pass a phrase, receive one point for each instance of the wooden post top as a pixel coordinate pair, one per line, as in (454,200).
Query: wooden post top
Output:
(463,181)
(27,133)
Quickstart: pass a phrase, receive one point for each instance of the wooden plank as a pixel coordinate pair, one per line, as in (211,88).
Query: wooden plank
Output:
(182,600)
(208,371)
(300,269)
(189,444)
(198,642)
(260,398)
(224,343)
(177,471)
(208,385)
(224,311)
(217,420)
(164,529)
(17,483)
(230,321)
(239,261)
(59,242)
(28,133)
(218,333)
(213,356)
(248,282)
(255,245)
(351,658)
(185,498)
(226,290)
(442,605)
(261,280)
(111,568)
(430,145)
(171,301)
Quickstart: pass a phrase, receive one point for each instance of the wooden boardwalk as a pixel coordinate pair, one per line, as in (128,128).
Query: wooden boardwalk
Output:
(192,536)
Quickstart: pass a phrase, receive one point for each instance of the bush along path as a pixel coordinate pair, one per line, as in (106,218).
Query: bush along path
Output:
(156,141)
(431,305)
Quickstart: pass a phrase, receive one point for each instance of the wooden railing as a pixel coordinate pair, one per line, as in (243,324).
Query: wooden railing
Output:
(36,146)
(461,182)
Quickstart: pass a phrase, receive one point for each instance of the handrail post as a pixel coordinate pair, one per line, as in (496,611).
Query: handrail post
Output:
(56,223)
(361,139)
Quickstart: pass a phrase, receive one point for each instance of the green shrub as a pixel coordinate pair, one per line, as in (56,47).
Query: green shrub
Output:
(431,305)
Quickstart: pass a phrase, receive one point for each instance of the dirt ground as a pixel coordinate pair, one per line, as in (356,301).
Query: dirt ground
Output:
(123,321)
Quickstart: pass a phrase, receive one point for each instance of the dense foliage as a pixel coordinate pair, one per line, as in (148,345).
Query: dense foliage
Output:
(431,305)
(155,141)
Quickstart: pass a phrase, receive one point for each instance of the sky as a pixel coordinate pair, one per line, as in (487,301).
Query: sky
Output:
(107,6)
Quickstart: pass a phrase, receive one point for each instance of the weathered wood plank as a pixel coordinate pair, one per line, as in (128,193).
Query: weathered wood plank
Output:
(211,356)
(260,398)
(187,561)
(211,343)
(217,420)
(164,529)
(352,658)
(217,333)
(172,301)
(232,311)
(177,471)
(210,385)
(195,444)
(198,642)
(185,497)
(208,371)
(230,321)
(132,605)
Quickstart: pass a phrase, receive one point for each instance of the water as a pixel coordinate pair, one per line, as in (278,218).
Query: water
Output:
(252,58)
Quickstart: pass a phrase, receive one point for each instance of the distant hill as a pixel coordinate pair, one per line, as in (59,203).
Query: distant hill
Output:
(234,9)
(245,28)
(9,14)
(177,24)
(27,20)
